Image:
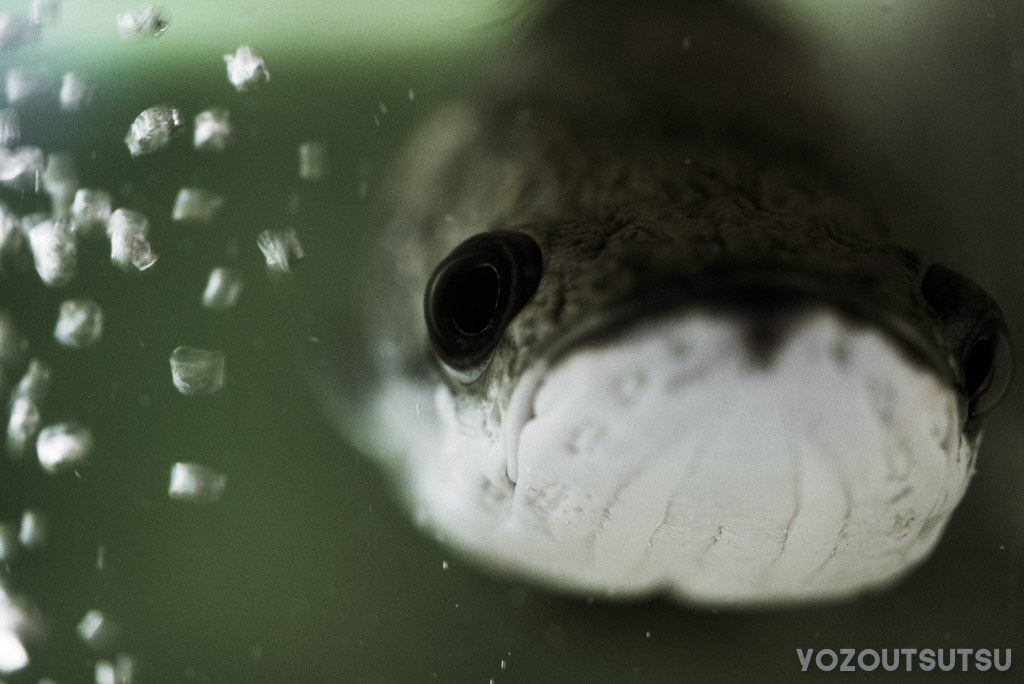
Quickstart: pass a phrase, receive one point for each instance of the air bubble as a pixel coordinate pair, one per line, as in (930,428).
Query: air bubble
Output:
(22,167)
(32,531)
(79,324)
(63,446)
(281,248)
(145,22)
(196,483)
(197,371)
(60,180)
(91,210)
(10,126)
(129,242)
(56,255)
(313,165)
(44,12)
(26,403)
(97,630)
(223,288)
(75,92)
(153,129)
(213,130)
(196,204)
(24,85)
(13,656)
(246,69)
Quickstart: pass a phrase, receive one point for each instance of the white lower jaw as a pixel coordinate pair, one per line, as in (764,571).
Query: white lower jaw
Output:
(665,461)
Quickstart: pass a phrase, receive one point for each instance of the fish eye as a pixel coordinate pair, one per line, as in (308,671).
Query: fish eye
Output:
(972,319)
(475,293)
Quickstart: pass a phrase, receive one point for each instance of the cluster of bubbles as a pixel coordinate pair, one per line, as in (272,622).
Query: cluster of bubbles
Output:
(50,242)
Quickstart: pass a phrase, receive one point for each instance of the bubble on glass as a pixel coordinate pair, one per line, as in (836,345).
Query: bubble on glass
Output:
(32,530)
(129,240)
(196,483)
(60,180)
(98,630)
(213,130)
(246,69)
(63,446)
(147,21)
(91,210)
(79,324)
(15,30)
(281,248)
(55,252)
(10,126)
(223,288)
(44,12)
(13,656)
(313,164)
(153,130)
(196,204)
(75,92)
(26,408)
(197,371)
(25,84)
(22,167)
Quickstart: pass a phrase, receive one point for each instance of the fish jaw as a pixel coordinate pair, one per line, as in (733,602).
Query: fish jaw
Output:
(667,460)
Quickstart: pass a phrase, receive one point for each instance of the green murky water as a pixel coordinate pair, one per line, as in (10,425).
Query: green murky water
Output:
(307,570)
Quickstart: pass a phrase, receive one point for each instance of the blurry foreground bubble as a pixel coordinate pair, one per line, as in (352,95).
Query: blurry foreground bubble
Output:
(246,69)
(22,167)
(75,92)
(91,210)
(9,547)
(10,126)
(44,12)
(196,483)
(223,288)
(97,630)
(15,30)
(56,255)
(281,248)
(32,532)
(22,426)
(63,446)
(60,180)
(145,22)
(196,204)
(79,324)
(153,130)
(13,656)
(313,164)
(213,130)
(24,85)
(26,402)
(197,371)
(120,671)
(129,240)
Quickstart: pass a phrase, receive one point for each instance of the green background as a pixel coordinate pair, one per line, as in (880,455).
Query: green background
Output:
(308,570)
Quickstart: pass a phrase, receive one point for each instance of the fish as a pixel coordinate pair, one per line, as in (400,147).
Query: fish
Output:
(642,321)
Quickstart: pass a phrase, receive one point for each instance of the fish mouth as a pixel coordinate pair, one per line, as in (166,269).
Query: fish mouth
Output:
(772,300)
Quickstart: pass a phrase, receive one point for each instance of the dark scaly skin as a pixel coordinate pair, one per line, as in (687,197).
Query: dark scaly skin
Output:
(634,162)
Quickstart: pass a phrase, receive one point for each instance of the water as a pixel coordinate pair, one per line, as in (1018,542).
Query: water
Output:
(306,569)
